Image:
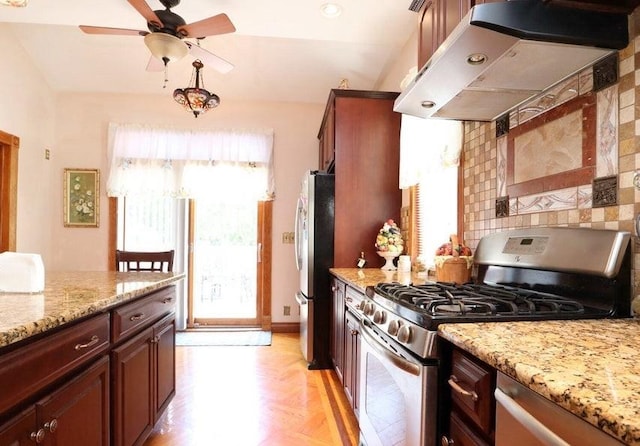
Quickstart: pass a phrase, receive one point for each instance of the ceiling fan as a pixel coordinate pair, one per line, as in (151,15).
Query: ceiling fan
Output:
(167,31)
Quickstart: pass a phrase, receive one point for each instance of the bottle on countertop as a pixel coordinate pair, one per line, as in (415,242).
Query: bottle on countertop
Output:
(361,262)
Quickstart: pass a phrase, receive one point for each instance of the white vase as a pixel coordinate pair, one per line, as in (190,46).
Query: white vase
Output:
(388,256)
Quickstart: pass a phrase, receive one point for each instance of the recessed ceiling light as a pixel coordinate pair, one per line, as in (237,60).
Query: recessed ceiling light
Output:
(331,10)
(476,59)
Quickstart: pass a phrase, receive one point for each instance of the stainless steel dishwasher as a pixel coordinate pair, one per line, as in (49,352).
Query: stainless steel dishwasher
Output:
(533,420)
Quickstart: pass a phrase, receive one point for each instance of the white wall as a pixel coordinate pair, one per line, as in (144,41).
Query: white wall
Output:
(28,112)
(74,128)
(81,126)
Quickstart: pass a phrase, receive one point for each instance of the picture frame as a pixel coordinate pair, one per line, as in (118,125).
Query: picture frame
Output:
(81,198)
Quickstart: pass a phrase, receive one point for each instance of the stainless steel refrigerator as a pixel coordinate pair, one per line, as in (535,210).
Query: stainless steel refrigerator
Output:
(314,256)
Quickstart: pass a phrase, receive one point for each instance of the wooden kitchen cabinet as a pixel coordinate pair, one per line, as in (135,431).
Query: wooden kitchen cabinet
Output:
(143,373)
(337,326)
(469,385)
(76,413)
(345,339)
(438,18)
(366,145)
(352,359)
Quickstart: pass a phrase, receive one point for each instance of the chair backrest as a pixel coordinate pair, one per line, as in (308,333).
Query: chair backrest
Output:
(144,261)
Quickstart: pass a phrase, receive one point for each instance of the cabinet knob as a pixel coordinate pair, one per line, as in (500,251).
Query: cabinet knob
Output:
(37,437)
(444,441)
(51,426)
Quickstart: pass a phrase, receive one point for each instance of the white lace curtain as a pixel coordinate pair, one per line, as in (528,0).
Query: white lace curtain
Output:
(427,146)
(227,164)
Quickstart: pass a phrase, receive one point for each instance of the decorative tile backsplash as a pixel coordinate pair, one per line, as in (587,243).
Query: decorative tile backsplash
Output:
(617,154)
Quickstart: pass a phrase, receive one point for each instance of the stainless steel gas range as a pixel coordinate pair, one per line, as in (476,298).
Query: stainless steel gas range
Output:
(519,275)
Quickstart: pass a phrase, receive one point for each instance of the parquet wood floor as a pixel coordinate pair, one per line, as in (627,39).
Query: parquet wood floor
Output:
(254,396)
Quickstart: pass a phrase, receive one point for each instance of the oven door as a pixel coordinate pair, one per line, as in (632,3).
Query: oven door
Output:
(398,394)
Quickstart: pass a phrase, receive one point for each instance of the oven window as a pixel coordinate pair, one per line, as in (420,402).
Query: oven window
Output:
(384,404)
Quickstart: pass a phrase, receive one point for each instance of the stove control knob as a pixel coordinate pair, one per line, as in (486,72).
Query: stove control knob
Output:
(380,317)
(404,334)
(368,308)
(393,327)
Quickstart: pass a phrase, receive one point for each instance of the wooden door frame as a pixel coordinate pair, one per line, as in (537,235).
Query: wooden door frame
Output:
(263,269)
(9,145)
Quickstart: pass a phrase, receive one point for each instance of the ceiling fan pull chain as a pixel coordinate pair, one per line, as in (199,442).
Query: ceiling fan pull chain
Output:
(166,71)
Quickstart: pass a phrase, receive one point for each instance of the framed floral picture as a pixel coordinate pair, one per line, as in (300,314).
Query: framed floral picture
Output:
(82,198)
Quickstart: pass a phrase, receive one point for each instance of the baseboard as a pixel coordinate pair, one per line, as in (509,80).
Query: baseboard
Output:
(285,327)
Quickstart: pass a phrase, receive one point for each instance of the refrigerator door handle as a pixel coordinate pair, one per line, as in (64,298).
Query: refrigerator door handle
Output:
(297,239)
(301,299)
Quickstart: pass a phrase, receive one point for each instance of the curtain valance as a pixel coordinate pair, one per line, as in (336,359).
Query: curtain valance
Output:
(426,146)
(228,164)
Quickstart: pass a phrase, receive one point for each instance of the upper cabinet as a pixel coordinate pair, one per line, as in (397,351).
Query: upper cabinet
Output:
(437,20)
(360,143)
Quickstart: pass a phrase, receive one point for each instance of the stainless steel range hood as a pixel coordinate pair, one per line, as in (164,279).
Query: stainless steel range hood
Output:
(504,53)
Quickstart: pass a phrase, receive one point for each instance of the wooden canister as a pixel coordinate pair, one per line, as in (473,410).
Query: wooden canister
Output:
(453,269)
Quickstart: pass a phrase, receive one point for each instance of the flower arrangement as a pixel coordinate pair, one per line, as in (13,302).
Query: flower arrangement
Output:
(389,238)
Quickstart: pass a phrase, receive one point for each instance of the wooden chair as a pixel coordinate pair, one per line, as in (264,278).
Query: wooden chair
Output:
(144,261)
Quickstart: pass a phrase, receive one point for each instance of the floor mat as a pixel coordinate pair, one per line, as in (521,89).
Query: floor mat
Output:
(204,338)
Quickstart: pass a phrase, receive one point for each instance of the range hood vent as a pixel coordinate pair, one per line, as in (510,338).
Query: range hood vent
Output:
(503,54)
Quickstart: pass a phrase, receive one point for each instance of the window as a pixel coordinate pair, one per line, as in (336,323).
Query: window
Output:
(436,211)
(429,158)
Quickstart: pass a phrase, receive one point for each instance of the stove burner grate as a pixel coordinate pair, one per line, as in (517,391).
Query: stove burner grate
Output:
(437,299)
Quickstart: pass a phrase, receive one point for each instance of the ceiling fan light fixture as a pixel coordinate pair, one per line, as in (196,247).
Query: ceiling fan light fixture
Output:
(16,3)
(165,46)
(196,99)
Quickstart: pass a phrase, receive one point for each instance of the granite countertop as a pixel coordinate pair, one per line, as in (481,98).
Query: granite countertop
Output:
(361,278)
(72,295)
(591,368)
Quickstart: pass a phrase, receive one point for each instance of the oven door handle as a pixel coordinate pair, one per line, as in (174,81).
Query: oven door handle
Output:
(398,361)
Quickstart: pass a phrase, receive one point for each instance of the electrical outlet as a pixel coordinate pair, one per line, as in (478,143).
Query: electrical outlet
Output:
(287,310)
(287,237)
(47,154)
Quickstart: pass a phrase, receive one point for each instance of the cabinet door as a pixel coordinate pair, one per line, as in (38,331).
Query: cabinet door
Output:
(165,335)
(132,374)
(461,435)
(337,344)
(78,412)
(327,138)
(20,430)
(352,359)
(426,34)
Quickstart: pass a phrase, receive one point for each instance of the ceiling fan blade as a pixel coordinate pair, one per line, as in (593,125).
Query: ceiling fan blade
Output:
(112,31)
(145,11)
(210,59)
(155,64)
(218,24)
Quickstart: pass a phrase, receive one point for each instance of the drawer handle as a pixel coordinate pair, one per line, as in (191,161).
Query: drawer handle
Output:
(51,426)
(37,437)
(137,317)
(93,341)
(168,300)
(453,383)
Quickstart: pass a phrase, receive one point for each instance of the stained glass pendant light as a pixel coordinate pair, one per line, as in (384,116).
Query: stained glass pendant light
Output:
(17,3)
(195,98)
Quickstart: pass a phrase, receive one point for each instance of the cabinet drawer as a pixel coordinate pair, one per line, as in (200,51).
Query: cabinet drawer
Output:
(472,384)
(133,316)
(29,369)
(353,298)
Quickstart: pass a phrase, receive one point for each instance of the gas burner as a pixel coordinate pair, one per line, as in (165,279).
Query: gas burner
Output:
(448,299)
